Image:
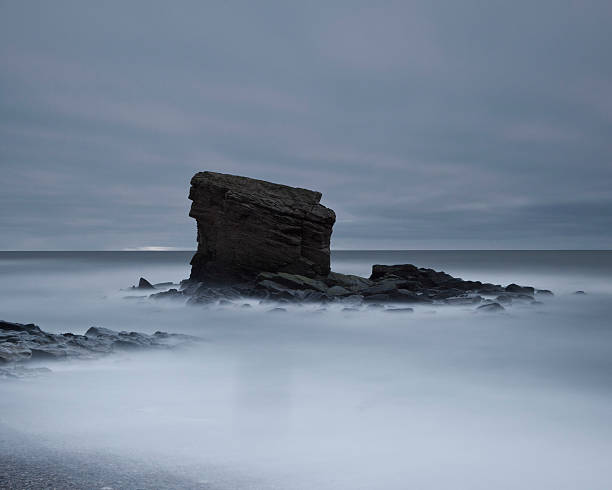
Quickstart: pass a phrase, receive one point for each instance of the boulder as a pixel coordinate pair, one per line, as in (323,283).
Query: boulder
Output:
(144,284)
(491,307)
(463,300)
(405,271)
(247,226)
(515,288)
(504,298)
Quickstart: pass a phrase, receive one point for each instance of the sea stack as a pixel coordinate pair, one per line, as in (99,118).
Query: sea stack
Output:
(246,226)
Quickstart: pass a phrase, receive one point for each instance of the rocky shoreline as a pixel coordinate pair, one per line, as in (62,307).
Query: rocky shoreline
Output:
(403,284)
(26,343)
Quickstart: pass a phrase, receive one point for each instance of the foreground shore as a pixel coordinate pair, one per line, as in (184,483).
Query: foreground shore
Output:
(27,463)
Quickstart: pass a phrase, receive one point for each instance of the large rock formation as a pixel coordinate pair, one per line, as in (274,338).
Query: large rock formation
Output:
(247,226)
(271,242)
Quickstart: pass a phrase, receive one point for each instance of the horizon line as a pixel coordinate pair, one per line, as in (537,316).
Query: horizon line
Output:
(171,249)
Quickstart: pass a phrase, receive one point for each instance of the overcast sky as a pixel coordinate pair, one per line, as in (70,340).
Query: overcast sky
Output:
(427,124)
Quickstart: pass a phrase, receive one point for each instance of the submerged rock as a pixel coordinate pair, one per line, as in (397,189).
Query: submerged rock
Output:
(247,226)
(277,310)
(17,371)
(398,310)
(491,307)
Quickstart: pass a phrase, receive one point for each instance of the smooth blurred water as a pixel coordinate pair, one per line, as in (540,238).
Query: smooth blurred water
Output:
(441,398)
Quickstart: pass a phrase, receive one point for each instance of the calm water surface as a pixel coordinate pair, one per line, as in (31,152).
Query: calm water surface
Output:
(441,398)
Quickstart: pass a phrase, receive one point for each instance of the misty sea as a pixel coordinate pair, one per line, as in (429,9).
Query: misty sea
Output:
(315,398)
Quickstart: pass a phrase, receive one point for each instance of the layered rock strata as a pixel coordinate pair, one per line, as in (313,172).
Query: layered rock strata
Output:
(247,226)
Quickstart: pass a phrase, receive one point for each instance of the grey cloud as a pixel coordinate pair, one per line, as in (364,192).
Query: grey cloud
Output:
(451,125)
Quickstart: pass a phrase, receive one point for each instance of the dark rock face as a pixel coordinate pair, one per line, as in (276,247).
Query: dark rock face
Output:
(247,226)
(144,284)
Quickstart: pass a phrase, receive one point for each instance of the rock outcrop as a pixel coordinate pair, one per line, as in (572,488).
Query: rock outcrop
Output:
(271,242)
(247,226)
(27,342)
(388,284)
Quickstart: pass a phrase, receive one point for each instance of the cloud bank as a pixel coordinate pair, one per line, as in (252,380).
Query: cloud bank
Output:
(424,124)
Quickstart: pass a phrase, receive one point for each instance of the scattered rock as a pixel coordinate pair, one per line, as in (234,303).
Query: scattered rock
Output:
(515,288)
(171,293)
(490,289)
(463,300)
(491,307)
(20,343)
(277,310)
(18,372)
(144,284)
(505,299)
(398,310)
(384,298)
